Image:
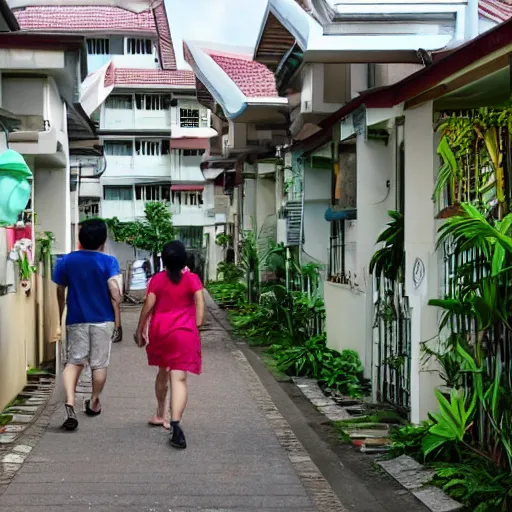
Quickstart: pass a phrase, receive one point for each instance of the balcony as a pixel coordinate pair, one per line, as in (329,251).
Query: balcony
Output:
(138,166)
(135,119)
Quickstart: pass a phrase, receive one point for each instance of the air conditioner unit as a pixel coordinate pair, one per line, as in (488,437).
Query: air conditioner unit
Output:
(210,213)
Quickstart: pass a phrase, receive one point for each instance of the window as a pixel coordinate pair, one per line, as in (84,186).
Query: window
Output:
(191,236)
(149,102)
(117,193)
(192,152)
(189,117)
(119,102)
(118,148)
(98,46)
(152,193)
(135,46)
(337,252)
(147,148)
(152,147)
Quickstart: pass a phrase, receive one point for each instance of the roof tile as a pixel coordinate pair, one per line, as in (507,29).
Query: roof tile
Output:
(129,76)
(84,19)
(252,78)
(495,10)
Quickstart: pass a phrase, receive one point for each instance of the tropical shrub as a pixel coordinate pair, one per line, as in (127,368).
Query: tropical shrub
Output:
(229,272)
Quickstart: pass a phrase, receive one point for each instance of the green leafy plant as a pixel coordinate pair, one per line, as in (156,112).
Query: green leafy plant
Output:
(229,272)
(25,268)
(150,234)
(301,360)
(476,483)
(452,422)
(224,240)
(408,440)
(227,294)
(342,372)
(389,261)
(44,244)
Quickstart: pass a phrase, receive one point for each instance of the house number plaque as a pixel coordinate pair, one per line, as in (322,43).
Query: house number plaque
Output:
(418,272)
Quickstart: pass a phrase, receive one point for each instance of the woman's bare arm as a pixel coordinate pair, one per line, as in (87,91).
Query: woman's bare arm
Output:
(199,300)
(149,304)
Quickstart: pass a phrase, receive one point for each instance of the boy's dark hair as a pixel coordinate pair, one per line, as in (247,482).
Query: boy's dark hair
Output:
(174,256)
(93,234)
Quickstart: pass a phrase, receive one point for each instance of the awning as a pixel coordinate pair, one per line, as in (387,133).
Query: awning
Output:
(212,174)
(192,133)
(332,215)
(187,188)
(190,143)
(124,181)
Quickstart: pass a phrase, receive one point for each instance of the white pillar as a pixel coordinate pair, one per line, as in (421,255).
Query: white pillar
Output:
(420,238)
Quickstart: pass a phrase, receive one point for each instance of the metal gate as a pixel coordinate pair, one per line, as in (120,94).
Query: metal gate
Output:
(392,344)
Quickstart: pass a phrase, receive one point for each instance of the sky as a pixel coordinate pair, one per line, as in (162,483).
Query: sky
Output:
(233,22)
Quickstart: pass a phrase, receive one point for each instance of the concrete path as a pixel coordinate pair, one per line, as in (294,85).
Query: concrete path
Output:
(242,455)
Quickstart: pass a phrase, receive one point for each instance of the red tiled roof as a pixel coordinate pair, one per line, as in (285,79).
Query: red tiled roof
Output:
(84,19)
(167,56)
(252,78)
(128,76)
(495,10)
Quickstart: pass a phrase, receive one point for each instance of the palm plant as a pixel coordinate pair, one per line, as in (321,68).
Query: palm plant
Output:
(389,261)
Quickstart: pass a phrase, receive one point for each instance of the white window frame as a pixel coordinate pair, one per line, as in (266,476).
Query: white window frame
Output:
(148,147)
(99,45)
(156,102)
(113,143)
(138,46)
(112,104)
(189,120)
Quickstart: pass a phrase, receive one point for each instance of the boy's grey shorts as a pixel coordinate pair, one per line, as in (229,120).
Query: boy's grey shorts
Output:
(90,342)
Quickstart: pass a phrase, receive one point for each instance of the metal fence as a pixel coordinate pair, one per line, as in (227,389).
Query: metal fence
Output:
(392,344)
(460,269)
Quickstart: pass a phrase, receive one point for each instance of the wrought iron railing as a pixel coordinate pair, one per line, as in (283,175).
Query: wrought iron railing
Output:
(392,344)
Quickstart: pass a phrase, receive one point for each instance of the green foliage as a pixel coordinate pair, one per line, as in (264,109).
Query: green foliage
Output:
(151,234)
(224,240)
(304,360)
(476,483)
(44,243)
(408,440)
(340,372)
(451,423)
(227,294)
(229,272)
(389,261)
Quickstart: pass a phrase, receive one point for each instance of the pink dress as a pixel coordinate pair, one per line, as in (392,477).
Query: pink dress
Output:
(174,340)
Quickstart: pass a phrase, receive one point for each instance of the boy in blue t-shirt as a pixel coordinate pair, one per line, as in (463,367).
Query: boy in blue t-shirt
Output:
(91,278)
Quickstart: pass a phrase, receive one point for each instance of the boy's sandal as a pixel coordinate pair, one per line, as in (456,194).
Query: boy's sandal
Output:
(89,411)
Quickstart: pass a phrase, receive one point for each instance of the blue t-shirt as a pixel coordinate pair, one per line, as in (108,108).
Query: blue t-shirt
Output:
(86,274)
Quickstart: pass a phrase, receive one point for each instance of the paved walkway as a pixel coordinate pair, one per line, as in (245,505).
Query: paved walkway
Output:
(242,455)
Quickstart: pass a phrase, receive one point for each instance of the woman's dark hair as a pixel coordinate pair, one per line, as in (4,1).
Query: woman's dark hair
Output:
(174,256)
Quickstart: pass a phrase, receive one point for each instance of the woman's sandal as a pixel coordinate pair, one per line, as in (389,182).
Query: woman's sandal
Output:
(89,411)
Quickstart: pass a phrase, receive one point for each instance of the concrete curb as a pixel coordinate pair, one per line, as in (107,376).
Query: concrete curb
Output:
(406,471)
(13,455)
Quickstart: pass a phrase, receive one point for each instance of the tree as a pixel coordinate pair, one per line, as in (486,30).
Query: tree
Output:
(150,234)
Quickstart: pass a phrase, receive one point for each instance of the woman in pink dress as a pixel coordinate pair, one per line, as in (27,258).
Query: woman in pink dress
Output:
(175,303)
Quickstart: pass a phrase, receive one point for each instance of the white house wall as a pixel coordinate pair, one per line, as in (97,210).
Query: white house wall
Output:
(351,304)
(317,198)
(420,237)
